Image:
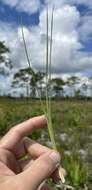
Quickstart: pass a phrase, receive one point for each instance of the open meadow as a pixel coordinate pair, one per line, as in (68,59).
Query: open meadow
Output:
(72,122)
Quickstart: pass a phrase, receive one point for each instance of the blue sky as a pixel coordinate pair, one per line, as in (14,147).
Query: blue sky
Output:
(11,15)
(72,38)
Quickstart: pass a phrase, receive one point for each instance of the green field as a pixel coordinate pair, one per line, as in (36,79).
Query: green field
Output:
(72,121)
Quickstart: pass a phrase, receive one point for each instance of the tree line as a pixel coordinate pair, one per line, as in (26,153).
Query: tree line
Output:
(34,85)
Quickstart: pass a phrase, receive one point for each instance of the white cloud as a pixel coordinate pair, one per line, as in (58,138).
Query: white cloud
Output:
(66,19)
(32,6)
(65,37)
(55,2)
(28,6)
(66,45)
(67,58)
(69,2)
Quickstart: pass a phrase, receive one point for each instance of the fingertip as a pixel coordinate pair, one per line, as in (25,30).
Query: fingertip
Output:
(44,119)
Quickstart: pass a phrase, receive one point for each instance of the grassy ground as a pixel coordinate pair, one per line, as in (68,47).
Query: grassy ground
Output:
(72,121)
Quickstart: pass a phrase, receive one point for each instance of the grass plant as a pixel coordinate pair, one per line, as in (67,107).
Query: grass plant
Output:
(77,171)
(47,107)
(48,82)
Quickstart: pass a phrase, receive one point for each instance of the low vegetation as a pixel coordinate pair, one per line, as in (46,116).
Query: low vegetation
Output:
(72,122)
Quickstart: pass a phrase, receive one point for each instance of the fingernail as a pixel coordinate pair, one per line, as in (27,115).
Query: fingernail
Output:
(42,185)
(45,119)
(55,156)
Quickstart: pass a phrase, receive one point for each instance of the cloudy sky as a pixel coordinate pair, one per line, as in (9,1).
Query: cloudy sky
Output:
(72,35)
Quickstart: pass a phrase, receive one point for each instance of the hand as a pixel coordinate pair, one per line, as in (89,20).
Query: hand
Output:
(29,174)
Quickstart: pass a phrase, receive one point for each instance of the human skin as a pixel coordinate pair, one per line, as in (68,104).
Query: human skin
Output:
(29,174)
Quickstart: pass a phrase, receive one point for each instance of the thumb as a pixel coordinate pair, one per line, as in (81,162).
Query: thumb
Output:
(40,170)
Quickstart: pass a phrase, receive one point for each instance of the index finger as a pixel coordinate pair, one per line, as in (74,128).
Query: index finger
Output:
(15,134)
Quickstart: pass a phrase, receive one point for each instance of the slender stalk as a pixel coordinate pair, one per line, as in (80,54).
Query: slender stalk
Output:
(48,98)
(50,125)
(29,63)
(25,46)
(47,62)
(51,41)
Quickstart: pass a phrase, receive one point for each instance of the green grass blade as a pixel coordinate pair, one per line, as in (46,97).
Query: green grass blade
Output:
(47,62)
(26,51)
(48,99)
(29,63)
(48,78)
(51,41)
